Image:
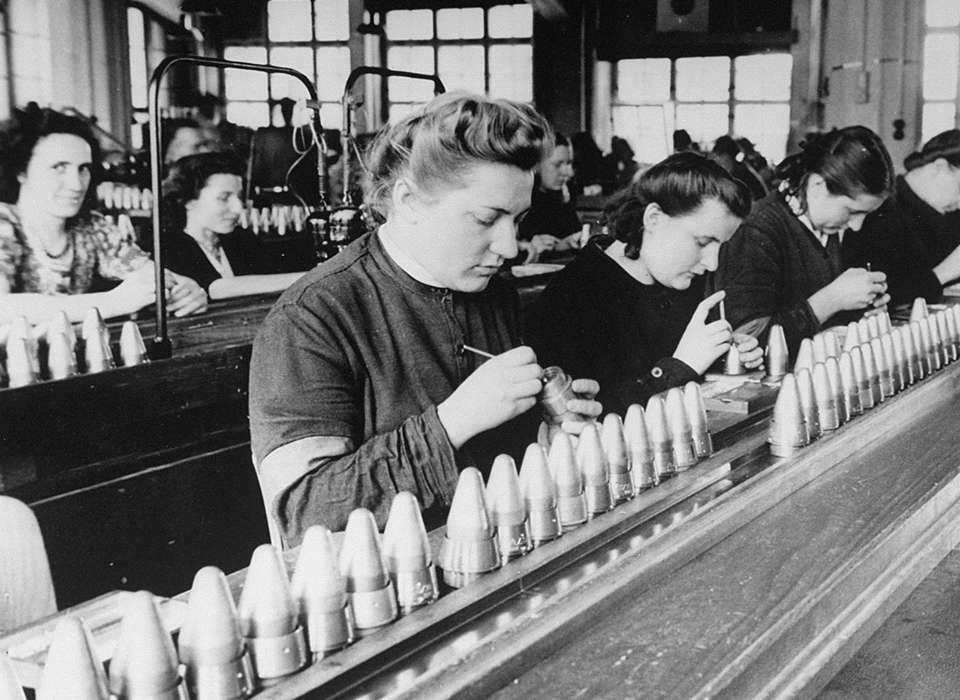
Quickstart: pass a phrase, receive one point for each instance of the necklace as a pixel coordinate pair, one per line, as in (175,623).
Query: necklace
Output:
(67,247)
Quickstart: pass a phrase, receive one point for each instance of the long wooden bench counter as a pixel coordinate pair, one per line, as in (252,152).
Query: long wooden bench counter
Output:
(139,474)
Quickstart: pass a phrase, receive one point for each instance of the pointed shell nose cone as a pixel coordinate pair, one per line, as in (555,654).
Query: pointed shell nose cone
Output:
(266,607)
(788,429)
(850,386)
(819,342)
(776,357)
(732,364)
(406,551)
(808,402)
(860,372)
(919,311)
(144,664)
(596,474)
(361,559)
(697,415)
(571,501)
(210,635)
(61,324)
(469,547)
(684,455)
(641,452)
(882,358)
(20,364)
(268,617)
(618,459)
(361,565)
(72,670)
(804,356)
(321,593)
(659,433)
(503,497)
(507,509)
(852,338)
(825,398)
(61,361)
(540,495)
(132,349)
(836,388)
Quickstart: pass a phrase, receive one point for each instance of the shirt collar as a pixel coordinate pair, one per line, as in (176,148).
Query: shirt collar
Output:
(793,201)
(403,260)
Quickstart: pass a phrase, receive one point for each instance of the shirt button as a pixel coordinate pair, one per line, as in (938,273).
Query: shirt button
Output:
(656,372)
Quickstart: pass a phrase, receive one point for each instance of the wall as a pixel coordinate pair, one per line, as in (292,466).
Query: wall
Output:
(872,67)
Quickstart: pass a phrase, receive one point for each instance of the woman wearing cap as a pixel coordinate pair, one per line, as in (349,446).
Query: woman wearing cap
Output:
(360,385)
(629,310)
(909,238)
(202,202)
(784,265)
(52,246)
(551,224)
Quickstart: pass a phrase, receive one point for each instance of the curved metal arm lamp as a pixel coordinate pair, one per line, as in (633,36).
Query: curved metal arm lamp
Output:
(355,74)
(161,347)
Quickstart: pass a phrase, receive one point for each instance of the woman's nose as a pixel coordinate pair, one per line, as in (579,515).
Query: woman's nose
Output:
(504,242)
(710,258)
(856,222)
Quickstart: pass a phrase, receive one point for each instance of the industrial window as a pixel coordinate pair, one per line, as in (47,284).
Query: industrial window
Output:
(307,35)
(708,96)
(139,78)
(941,54)
(484,50)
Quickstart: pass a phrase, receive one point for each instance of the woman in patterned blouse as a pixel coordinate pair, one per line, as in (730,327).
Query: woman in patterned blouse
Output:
(52,246)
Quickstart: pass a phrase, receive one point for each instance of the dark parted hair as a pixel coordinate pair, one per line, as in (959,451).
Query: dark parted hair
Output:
(21,133)
(187,178)
(944,145)
(435,144)
(679,184)
(852,161)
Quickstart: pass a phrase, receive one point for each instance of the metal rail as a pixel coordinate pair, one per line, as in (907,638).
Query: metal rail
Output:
(161,346)
(355,74)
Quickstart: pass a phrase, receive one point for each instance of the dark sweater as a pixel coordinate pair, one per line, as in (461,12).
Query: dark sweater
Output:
(901,238)
(548,214)
(360,350)
(183,255)
(595,320)
(770,267)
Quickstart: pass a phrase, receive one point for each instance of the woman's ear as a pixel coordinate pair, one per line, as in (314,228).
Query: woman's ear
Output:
(406,201)
(815,180)
(652,216)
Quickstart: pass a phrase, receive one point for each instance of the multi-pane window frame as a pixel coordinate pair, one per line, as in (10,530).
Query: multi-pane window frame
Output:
(330,100)
(397,107)
(669,107)
(940,113)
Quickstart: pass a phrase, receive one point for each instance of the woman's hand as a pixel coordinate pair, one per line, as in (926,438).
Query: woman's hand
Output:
(132,294)
(184,295)
(501,388)
(538,245)
(856,288)
(585,406)
(751,354)
(703,343)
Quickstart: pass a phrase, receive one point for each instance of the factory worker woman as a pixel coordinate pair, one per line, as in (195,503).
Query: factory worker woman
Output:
(551,224)
(629,310)
(359,382)
(202,202)
(52,246)
(784,265)
(910,238)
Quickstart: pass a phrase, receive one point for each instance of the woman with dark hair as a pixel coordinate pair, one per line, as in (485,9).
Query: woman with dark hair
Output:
(629,310)
(551,224)
(52,246)
(784,265)
(909,238)
(202,202)
(360,382)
